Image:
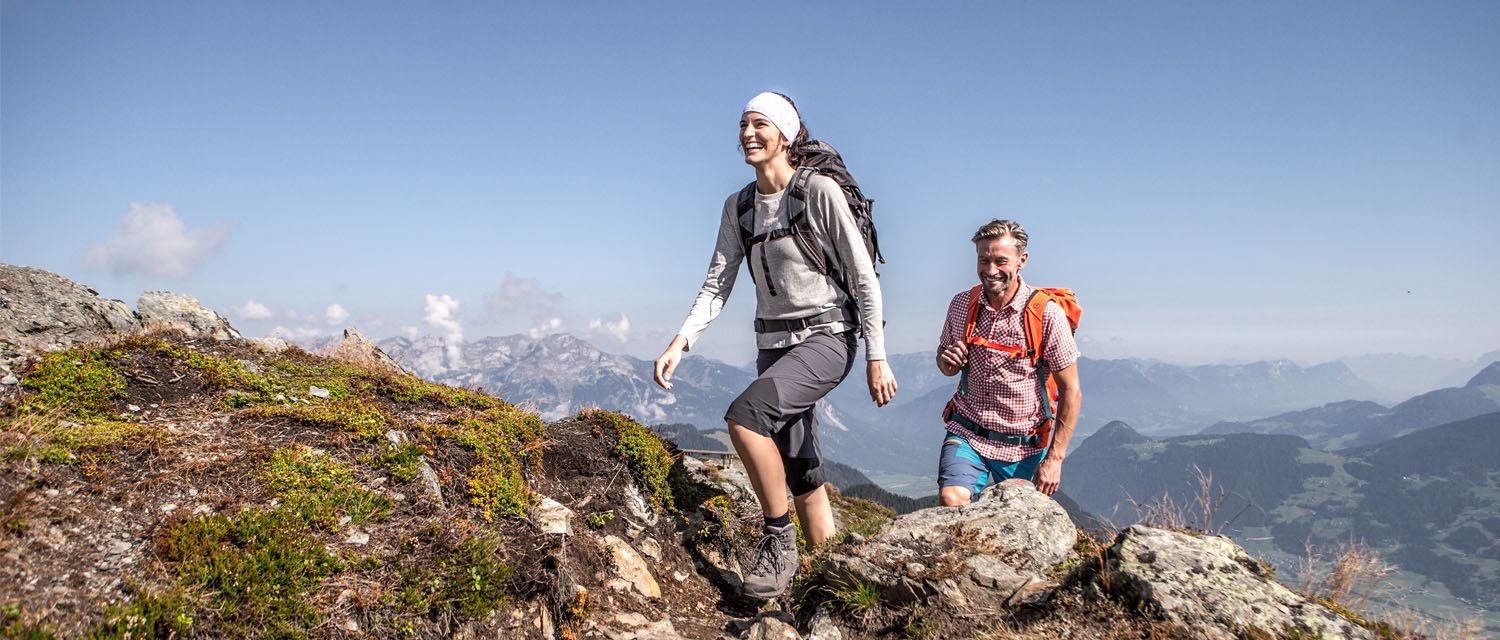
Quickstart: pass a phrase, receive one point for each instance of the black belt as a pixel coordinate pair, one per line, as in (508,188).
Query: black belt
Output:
(988,434)
(797,324)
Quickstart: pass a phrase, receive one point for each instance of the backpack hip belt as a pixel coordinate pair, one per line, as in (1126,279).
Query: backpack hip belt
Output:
(1037,438)
(841,314)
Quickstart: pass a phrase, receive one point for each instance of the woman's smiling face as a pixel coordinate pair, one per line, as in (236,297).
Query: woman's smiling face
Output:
(760,139)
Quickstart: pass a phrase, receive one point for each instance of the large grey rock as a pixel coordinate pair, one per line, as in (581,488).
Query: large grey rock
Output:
(1209,584)
(984,554)
(164,309)
(358,349)
(41,311)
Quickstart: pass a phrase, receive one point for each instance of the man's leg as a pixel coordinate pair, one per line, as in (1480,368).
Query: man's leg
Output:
(962,474)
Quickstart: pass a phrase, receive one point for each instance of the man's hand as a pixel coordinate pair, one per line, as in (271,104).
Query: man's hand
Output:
(882,382)
(952,358)
(667,362)
(1049,475)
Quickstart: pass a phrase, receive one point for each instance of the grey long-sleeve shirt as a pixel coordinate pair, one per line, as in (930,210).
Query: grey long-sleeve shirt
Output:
(801,291)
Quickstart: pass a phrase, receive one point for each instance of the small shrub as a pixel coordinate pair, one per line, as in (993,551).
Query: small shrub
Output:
(166,615)
(598,519)
(80,382)
(317,488)
(259,567)
(402,460)
(646,454)
(499,490)
(350,415)
(468,579)
(505,439)
(88,443)
(12,626)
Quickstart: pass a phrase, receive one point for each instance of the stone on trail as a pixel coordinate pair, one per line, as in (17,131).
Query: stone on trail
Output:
(183,312)
(1209,584)
(632,570)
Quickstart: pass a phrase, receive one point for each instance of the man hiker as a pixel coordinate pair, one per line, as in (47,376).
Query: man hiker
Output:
(1007,338)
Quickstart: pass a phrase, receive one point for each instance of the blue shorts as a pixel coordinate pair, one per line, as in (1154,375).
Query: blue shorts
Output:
(961,466)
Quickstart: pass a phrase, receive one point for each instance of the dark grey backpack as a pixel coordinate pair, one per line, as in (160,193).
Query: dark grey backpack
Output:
(817,158)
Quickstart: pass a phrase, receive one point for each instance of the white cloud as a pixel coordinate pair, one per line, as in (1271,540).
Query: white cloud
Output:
(549,325)
(410,332)
(440,314)
(523,297)
(151,239)
(297,334)
(252,311)
(619,330)
(335,315)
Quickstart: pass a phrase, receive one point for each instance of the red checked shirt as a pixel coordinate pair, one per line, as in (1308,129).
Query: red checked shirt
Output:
(1002,394)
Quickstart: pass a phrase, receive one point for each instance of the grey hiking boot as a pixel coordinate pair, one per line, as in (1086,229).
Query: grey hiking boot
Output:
(774,563)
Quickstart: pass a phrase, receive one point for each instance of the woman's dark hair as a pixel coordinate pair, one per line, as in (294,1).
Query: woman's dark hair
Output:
(794,152)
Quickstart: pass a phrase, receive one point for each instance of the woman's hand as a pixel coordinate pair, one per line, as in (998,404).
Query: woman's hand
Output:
(882,382)
(667,362)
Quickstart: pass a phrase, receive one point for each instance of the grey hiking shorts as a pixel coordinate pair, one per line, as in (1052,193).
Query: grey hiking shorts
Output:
(779,403)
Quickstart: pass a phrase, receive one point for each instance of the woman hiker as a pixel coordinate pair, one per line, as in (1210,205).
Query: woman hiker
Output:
(805,328)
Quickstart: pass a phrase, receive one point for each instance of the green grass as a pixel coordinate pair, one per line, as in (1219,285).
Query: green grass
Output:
(349,414)
(401,460)
(467,579)
(80,383)
(164,615)
(646,454)
(259,566)
(507,441)
(319,489)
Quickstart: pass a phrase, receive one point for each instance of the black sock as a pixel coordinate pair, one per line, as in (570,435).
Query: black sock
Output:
(780,521)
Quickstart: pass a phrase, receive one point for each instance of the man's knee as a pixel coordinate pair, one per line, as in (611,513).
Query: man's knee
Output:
(955,496)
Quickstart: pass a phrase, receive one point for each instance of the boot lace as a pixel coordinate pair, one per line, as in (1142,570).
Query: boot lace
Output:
(768,560)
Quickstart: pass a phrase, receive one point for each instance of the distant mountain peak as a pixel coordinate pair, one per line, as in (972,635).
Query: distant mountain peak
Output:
(1116,433)
(1488,375)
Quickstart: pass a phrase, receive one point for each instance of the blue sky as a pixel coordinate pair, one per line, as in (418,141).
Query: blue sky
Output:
(1218,181)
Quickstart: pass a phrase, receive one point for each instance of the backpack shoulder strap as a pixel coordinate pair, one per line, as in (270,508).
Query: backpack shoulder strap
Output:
(744,208)
(1034,323)
(807,242)
(973,315)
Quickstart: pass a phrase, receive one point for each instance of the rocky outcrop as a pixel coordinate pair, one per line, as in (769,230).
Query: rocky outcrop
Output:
(356,348)
(993,552)
(1208,584)
(42,311)
(164,309)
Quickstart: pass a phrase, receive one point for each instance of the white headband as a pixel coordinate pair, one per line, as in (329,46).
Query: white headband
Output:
(780,111)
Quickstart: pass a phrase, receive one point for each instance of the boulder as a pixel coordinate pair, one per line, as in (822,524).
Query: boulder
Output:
(1209,584)
(358,349)
(42,311)
(632,571)
(986,553)
(164,309)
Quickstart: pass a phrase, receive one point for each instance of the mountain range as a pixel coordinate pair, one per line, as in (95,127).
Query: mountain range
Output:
(559,374)
(1355,423)
(1428,500)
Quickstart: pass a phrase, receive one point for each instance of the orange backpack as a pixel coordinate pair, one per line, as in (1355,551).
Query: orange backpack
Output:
(1032,326)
